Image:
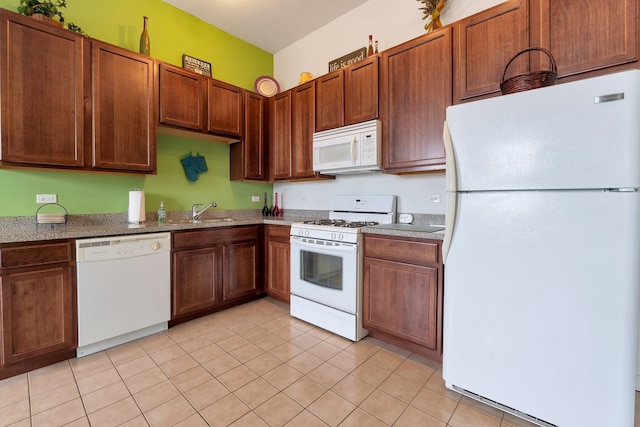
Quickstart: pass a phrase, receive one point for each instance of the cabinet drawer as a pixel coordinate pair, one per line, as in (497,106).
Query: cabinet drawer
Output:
(278,232)
(208,237)
(402,249)
(13,256)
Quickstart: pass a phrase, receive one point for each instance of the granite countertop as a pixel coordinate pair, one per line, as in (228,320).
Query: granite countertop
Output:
(25,229)
(422,231)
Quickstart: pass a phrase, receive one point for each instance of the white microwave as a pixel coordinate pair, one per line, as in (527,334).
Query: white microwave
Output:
(349,149)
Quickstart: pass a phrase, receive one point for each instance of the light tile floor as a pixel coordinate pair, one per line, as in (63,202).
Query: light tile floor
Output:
(252,365)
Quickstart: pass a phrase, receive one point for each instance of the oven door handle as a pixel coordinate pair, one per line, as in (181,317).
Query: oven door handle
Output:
(341,248)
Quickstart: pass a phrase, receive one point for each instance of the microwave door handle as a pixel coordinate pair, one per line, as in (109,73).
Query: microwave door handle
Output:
(353,149)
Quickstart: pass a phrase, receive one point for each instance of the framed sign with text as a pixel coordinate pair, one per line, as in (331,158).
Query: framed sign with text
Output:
(348,59)
(196,65)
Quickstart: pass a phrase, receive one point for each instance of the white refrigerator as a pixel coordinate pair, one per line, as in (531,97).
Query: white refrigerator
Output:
(542,251)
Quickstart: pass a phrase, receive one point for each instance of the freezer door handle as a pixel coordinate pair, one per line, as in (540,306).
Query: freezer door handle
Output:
(452,195)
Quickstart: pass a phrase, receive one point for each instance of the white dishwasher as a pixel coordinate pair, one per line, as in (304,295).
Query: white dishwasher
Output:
(123,289)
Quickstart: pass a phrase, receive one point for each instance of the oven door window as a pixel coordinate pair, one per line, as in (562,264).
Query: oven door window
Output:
(321,269)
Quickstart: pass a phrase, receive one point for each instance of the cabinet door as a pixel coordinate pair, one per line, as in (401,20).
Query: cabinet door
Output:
(42,100)
(302,128)
(361,91)
(401,300)
(280,141)
(38,317)
(123,103)
(182,98)
(330,101)
(240,262)
(196,275)
(248,158)
(585,35)
(484,44)
(225,109)
(416,90)
(278,262)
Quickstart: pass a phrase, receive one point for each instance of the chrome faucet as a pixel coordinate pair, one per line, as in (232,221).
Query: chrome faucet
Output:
(194,210)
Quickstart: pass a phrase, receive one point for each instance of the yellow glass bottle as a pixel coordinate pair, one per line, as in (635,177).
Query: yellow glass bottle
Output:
(145,44)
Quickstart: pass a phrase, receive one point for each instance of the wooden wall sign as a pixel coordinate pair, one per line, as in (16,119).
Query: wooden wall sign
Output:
(348,59)
(196,65)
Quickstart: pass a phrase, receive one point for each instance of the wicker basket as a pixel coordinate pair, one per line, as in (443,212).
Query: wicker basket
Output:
(531,80)
(48,20)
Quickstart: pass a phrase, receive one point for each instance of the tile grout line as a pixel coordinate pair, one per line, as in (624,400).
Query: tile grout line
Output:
(262,320)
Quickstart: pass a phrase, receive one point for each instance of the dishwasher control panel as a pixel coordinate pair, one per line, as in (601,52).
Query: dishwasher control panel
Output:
(107,248)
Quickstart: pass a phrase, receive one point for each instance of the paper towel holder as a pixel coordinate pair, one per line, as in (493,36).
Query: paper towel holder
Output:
(136,211)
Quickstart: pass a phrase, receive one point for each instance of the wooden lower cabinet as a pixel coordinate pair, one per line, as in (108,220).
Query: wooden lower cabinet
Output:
(240,272)
(278,261)
(195,278)
(213,269)
(402,301)
(38,299)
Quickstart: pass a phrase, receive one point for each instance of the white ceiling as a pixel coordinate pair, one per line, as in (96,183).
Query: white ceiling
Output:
(269,24)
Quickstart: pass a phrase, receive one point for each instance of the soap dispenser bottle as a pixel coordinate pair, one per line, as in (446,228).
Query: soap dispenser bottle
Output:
(162,213)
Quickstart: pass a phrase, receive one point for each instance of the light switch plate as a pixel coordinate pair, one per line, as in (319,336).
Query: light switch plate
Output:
(46,198)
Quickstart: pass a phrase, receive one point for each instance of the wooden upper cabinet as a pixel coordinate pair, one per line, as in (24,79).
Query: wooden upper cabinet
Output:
(302,128)
(483,45)
(586,35)
(248,159)
(330,101)
(225,110)
(348,95)
(361,91)
(123,108)
(42,93)
(415,92)
(182,98)
(280,139)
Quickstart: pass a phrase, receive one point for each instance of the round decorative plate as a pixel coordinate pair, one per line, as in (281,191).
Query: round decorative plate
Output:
(267,86)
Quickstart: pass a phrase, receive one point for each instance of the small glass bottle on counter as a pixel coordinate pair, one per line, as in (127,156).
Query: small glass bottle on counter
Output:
(276,209)
(265,208)
(162,213)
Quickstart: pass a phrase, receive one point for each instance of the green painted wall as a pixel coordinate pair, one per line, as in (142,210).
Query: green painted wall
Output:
(172,33)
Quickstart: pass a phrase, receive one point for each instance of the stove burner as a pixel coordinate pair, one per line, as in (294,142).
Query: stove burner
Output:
(358,224)
(341,223)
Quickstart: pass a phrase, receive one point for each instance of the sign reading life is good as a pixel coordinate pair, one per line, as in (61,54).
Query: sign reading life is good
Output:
(196,65)
(348,59)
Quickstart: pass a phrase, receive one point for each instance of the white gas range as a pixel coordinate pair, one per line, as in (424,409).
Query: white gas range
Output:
(326,263)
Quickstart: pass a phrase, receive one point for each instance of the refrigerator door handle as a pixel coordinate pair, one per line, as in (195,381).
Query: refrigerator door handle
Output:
(452,195)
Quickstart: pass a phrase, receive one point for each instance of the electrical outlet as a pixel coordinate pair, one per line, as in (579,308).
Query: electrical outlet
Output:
(255,199)
(46,198)
(433,198)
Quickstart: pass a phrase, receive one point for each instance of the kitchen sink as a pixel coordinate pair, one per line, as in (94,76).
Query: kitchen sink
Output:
(197,221)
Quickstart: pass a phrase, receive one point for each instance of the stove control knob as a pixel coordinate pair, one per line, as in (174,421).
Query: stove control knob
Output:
(306,233)
(341,236)
(333,236)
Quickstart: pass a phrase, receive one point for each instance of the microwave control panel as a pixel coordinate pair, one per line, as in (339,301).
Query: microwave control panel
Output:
(368,147)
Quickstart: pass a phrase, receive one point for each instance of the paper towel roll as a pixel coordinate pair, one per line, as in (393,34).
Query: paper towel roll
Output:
(136,206)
